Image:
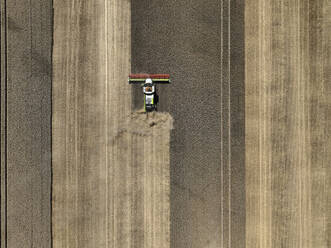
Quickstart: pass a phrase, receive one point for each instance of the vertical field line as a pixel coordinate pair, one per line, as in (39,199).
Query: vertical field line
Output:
(222,157)
(229,113)
(106,114)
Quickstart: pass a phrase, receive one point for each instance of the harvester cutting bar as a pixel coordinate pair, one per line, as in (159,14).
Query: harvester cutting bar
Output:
(156,78)
(152,76)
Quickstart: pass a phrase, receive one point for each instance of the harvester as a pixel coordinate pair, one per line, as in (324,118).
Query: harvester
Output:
(148,82)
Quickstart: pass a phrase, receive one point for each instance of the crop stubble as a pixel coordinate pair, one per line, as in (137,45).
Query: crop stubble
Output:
(287,123)
(110,166)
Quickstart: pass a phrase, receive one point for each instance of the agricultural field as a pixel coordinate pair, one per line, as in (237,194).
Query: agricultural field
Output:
(237,154)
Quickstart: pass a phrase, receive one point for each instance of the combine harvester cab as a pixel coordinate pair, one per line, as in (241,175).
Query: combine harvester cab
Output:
(148,83)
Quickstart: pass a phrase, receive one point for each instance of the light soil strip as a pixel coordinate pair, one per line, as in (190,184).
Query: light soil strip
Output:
(80,180)
(288,121)
(110,167)
(143,216)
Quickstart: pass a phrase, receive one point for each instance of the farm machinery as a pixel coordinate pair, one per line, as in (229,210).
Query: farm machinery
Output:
(148,83)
